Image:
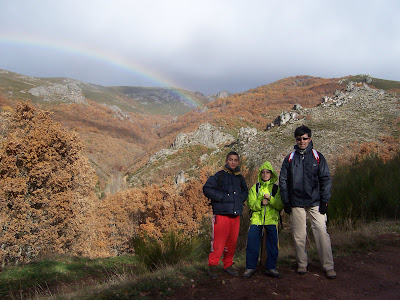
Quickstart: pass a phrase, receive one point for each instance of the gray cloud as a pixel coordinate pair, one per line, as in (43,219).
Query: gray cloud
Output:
(200,45)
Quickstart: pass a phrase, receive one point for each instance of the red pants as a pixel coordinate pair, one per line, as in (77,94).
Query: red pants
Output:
(225,232)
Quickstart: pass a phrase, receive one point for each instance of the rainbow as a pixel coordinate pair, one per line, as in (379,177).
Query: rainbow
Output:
(103,56)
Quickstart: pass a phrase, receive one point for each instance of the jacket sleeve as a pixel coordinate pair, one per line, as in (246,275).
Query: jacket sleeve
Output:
(211,189)
(276,201)
(284,181)
(253,200)
(325,180)
(245,189)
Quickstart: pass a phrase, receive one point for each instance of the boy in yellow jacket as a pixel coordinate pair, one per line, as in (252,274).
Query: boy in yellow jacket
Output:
(265,202)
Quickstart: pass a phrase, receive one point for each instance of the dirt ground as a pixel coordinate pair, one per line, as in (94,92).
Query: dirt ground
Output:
(369,275)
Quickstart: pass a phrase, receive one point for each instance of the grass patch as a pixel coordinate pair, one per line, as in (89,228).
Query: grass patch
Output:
(26,279)
(171,249)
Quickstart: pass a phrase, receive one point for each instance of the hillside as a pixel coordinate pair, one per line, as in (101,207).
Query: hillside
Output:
(143,100)
(340,118)
(124,127)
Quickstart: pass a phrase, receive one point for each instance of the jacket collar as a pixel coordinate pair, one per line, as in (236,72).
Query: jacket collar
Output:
(308,149)
(235,172)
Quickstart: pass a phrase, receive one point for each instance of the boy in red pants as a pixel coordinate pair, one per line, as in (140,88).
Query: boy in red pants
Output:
(227,191)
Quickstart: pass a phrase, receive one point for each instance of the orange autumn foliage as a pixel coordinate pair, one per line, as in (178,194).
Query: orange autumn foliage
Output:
(385,149)
(152,210)
(44,184)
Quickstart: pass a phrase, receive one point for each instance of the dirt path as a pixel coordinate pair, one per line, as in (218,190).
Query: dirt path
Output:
(369,276)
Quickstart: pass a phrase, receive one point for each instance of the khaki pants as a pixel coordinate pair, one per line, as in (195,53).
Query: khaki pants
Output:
(298,222)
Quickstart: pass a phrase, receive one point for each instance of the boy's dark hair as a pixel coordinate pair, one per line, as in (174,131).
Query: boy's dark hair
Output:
(232,153)
(302,130)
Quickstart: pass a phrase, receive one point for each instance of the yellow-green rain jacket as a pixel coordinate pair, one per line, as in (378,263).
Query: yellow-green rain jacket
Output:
(254,201)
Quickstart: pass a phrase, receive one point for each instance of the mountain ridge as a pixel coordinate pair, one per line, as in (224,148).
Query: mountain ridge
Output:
(144,100)
(121,143)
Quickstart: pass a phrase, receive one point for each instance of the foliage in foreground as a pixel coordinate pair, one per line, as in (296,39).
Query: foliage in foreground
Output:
(171,249)
(123,278)
(366,190)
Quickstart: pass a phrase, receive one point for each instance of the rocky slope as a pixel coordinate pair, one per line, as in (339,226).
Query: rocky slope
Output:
(357,113)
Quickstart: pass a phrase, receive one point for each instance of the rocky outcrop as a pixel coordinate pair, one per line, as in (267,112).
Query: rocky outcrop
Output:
(68,93)
(287,116)
(353,90)
(222,94)
(206,135)
(356,113)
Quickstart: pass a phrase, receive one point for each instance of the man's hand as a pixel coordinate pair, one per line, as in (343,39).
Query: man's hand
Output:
(323,207)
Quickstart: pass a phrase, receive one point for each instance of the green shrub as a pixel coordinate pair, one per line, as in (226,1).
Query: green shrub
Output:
(171,249)
(366,190)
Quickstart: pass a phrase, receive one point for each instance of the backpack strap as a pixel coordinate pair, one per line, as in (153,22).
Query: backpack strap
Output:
(316,156)
(274,190)
(315,153)
(291,156)
(257,187)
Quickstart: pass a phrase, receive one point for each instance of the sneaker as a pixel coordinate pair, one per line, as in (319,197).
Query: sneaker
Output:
(248,273)
(301,270)
(212,272)
(231,271)
(331,274)
(273,273)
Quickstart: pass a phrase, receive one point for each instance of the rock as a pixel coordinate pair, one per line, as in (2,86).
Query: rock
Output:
(285,117)
(206,135)
(222,94)
(297,107)
(69,93)
(246,135)
(180,178)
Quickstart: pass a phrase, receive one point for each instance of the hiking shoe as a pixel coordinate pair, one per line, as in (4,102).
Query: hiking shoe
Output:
(248,273)
(212,272)
(231,271)
(273,273)
(302,270)
(331,274)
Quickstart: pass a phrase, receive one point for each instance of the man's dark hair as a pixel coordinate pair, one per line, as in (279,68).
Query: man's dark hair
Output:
(302,130)
(232,153)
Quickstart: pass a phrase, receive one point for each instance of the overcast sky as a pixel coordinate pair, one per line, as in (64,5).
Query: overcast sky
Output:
(202,45)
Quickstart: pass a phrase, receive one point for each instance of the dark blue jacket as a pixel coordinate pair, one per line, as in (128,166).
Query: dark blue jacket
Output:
(227,192)
(303,181)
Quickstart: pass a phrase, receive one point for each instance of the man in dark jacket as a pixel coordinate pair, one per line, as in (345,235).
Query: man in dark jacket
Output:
(227,191)
(305,185)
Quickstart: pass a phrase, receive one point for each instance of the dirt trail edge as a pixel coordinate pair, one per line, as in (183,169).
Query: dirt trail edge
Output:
(369,275)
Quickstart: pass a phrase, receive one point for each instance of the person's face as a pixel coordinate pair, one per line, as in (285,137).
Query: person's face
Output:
(232,161)
(303,141)
(266,175)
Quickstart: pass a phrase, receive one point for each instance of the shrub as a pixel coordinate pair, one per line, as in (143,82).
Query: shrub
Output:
(366,190)
(45,182)
(169,250)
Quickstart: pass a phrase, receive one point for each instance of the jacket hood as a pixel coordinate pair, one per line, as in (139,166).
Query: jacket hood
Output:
(267,165)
